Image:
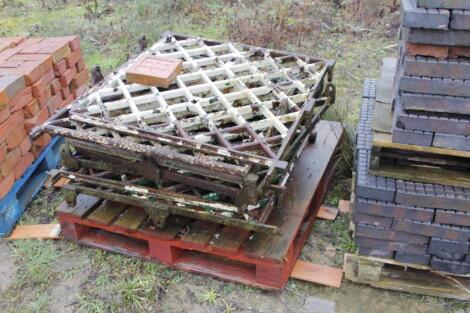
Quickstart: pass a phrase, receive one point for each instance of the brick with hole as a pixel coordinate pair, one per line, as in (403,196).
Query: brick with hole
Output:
(9,162)
(21,100)
(25,161)
(16,137)
(31,109)
(80,80)
(39,119)
(25,145)
(6,183)
(10,124)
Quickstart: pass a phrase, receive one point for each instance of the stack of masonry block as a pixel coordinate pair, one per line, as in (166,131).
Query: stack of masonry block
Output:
(410,220)
(38,76)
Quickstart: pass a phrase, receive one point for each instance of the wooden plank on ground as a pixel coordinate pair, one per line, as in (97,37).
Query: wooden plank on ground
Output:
(132,218)
(61,182)
(40,231)
(317,274)
(327,213)
(107,212)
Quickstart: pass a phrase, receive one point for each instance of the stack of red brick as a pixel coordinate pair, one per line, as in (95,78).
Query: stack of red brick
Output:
(38,76)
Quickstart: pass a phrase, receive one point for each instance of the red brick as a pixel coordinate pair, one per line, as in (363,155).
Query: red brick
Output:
(72,58)
(79,91)
(31,109)
(9,42)
(4,115)
(32,57)
(73,41)
(39,119)
(6,184)
(65,91)
(440,52)
(54,104)
(10,124)
(55,86)
(48,92)
(40,86)
(39,144)
(81,64)
(23,165)
(21,100)
(459,52)
(68,76)
(60,68)
(3,151)
(80,79)
(10,86)
(67,101)
(42,100)
(16,137)
(25,145)
(9,162)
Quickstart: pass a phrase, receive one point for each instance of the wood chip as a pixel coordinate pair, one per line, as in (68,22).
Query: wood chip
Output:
(344,206)
(327,213)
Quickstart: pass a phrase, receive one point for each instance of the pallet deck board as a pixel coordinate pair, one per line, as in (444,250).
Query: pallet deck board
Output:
(306,179)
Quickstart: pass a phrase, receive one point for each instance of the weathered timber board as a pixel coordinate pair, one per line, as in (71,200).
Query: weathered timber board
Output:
(302,187)
(431,67)
(405,277)
(435,103)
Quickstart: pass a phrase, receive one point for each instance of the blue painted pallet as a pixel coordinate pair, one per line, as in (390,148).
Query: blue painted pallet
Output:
(25,188)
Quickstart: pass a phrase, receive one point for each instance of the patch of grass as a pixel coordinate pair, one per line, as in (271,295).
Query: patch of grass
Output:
(209,296)
(38,305)
(135,292)
(90,304)
(36,258)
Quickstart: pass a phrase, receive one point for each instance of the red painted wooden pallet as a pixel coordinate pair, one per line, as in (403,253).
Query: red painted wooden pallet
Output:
(228,253)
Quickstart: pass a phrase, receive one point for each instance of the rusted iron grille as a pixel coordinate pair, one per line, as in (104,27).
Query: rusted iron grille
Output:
(232,123)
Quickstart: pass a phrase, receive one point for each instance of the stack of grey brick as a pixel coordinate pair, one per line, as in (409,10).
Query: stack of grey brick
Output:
(432,107)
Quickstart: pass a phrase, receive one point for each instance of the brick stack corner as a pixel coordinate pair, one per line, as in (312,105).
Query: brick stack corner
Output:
(38,76)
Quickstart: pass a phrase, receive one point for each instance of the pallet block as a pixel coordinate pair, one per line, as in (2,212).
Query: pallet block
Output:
(25,188)
(405,277)
(262,260)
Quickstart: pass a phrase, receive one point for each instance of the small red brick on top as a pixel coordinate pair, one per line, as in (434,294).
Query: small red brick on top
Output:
(21,100)
(10,86)
(31,109)
(25,161)
(60,68)
(54,104)
(80,79)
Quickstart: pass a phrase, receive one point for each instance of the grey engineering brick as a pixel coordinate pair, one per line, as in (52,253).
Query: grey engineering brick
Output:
(412,137)
(455,38)
(415,17)
(431,67)
(413,258)
(433,103)
(456,233)
(460,19)
(389,209)
(375,252)
(435,86)
(432,123)
(448,249)
(454,267)
(433,196)
(448,4)
(452,217)
(450,141)
(368,231)
(386,245)
(374,220)
(370,88)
